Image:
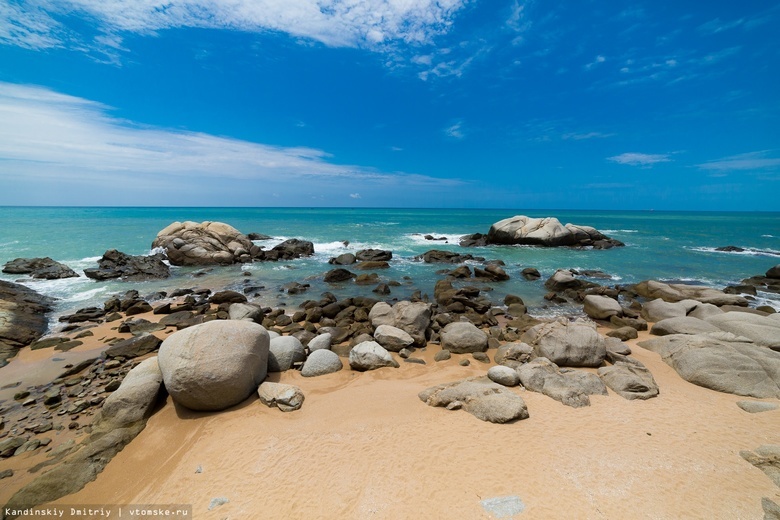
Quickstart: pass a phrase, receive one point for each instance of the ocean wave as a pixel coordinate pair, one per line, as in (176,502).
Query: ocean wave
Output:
(749,251)
(614,231)
(419,238)
(768,236)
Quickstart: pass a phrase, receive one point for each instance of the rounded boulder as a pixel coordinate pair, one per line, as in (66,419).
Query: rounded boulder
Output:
(214,365)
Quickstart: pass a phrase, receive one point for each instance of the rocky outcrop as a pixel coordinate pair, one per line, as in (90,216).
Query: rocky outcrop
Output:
(39,268)
(682,325)
(115,264)
(287,250)
(547,232)
(761,330)
(767,459)
(721,361)
(370,355)
(214,365)
(570,387)
(207,243)
(567,344)
(121,419)
(23,318)
(374,255)
(287,398)
(485,400)
(678,292)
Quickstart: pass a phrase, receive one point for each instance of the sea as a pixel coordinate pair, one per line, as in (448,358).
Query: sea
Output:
(668,246)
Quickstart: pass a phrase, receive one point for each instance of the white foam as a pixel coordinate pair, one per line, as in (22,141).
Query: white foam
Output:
(768,236)
(748,251)
(614,231)
(419,238)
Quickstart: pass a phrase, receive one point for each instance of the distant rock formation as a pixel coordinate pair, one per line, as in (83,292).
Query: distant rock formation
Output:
(548,232)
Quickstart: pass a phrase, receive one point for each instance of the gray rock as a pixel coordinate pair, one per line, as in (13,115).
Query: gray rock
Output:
(116,264)
(623,333)
(629,380)
(601,307)
(757,406)
(560,280)
(284,352)
(320,342)
(287,398)
(680,292)
(616,346)
(392,338)
(567,344)
(514,354)
(23,317)
(207,243)
(682,325)
(767,459)
(503,375)
(722,362)
(214,365)
(9,446)
(39,268)
(414,318)
(245,311)
(704,311)
(442,355)
(503,507)
(463,337)
(370,355)
(218,501)
(546,231)
(321,362)
(381,314)
(771,509)
(570,387)
(658,309)
(762,330)
(486,401)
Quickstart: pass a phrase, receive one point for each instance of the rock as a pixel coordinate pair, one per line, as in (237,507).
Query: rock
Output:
(704,311)
(214,365)
(625,321)
(658,309)
(773,272)
(344,259)
(473,240)
(601,307)
(366,279)
(721,361)
(23,318)
(757,406)
(629,380)
(463,337)
(287,250)
(227,297)
(321,362)
(503,507)
(370,355)
(39,268)
(514,354)
(321,341)
(6,473)
(446,257)
(767,459)
(492,272)
(682,325)
(134,347)
(115,264)
(567,344)
(392,338)
(442,355)
(287,398)
(373,255)
(122,417)
(771,509)
(207,243)
(546,231)
(258,236)
(570,387)
(413,318)
(481,357)
(503,375)
(679,292)
(284,352)
(762,330)
(487,401)
(338,275)
(531,273)
(9,446)
(562,279)
(139,307)
(623,333)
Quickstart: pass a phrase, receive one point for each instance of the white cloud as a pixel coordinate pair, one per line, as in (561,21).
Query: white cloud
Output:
(752,161)
(355,195)
(585,135)
(596,61)
(639,159)
(337,23)
(60,139)
(455,131)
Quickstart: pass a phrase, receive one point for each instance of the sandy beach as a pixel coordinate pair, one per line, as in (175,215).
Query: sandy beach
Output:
(364,446)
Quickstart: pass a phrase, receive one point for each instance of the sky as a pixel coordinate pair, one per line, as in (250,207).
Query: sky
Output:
(664,105)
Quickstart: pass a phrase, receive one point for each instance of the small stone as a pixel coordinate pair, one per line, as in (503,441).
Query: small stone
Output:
(405,353)
(464,362)
(21,395)
(199,469)
(6,473)
(216,502)
(481,357)
(417,361)
(756,406)
(503,507)
(442,355)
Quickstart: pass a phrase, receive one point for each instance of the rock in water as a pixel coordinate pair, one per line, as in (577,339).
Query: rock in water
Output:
(546,232)
(116,264)
(214,365)
(42,268)
(207,243)
(287,398)
(22,318)
(487,401)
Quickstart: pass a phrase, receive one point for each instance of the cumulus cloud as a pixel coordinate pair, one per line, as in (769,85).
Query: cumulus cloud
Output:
(639,159)
(58,138)
(337,23)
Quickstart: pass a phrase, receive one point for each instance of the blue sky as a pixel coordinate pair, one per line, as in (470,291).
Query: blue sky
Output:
(419,103)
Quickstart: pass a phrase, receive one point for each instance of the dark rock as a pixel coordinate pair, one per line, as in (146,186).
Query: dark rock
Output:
(374,255)
(730,249)
(338,275)
(447,257)
(258,236)
(344,259)
(23,318)
(531,273)
(382,288)
(40,268)
(115,264)
(372,264)
(288,250)
(773,272)
(366,279)
(138,307)
(491,272)
(474,240)
(86,314)
(134,347)
(442,355)
(227,297)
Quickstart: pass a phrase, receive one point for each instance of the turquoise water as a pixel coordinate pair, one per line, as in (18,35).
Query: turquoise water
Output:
(659,245)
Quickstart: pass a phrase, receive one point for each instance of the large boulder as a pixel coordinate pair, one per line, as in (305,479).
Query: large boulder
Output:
(23,318)
(461,337)
(659,309)
(116,264)
(485,400)
(601,307)
(207,243)
(679,292)
(374,255)
(567,344)
(287,250)
(214,365)
(381,314)
(284,352)
(321,362)
(546,231)
(414,318)
(392,338)
(39,268)
(370,355)
(721,361)
(629,380)
(682,325)
(514,354)
(570,387)
(762,330)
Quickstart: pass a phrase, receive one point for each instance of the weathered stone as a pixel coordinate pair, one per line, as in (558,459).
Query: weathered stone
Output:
(284,352)
(321,362)
(623,333)
(503,375)
(23,317)
(658,309)
(214,365)
(134,347)
(629,380)
(757,406)
(413,318)
(370,355)
(207,243)
(442,355)
(546,231)
(338,275)
(567,344)
(227,297)
(115,264)
(487,401)
(39,268)
(514,354)
(762,330)
(287,398)
(682,325)
(601,307)
(245,311)
(321,341)
(679,292)
(392,338)
(570,387)
(767,459)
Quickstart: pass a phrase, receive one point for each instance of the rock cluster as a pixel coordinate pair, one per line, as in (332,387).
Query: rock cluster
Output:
(40,268)
(115,264)
(548,231)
